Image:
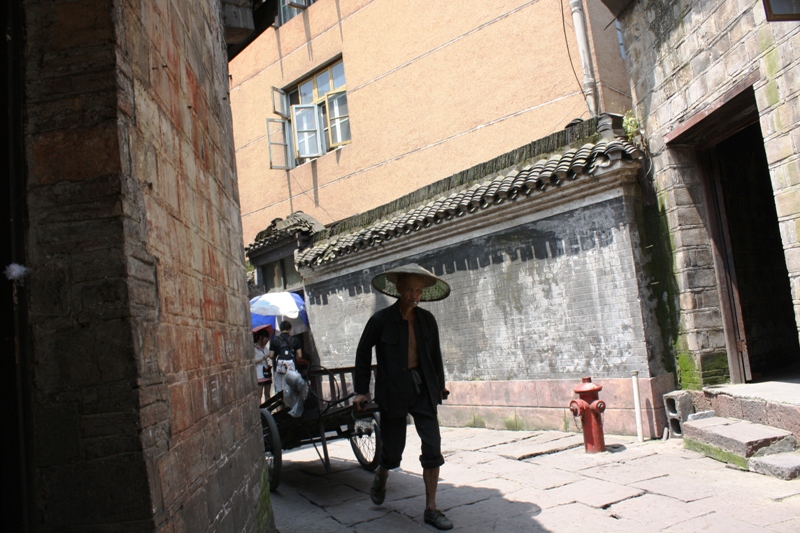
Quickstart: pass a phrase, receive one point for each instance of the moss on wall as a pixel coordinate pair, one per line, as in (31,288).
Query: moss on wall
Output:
(657,241)
(476,422)
(688,376)
(265,516)
(514,423)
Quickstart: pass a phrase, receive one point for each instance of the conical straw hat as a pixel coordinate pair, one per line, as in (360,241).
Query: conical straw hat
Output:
(435,288)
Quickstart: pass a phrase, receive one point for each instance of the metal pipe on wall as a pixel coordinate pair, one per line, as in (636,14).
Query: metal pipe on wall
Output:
(589,84)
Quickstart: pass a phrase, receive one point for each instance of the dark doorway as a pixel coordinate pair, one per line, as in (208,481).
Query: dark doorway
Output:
(751,249)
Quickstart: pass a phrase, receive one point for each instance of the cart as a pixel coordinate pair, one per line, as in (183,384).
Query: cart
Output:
(328,415)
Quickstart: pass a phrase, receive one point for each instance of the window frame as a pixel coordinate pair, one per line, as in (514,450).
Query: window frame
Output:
(319,99)
(340,119)
(319,145)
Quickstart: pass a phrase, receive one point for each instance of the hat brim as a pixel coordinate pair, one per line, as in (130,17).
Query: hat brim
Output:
(259,328)
(435,288)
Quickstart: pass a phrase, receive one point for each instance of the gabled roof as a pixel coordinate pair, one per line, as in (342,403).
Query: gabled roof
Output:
(284,229)
(515,185)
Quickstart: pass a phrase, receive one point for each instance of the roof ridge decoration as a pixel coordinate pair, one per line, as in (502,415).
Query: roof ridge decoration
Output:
(283,229)
(534,177)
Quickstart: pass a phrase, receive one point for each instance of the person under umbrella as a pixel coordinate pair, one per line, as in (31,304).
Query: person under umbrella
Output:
(409,377)
(261,337)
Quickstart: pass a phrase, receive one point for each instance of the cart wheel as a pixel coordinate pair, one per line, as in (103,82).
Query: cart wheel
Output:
(366,442)
(272,448)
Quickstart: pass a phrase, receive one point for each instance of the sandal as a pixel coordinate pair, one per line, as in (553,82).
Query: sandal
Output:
(378,490)
(437,519)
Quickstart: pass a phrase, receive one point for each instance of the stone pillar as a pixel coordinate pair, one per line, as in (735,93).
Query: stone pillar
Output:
(143,390)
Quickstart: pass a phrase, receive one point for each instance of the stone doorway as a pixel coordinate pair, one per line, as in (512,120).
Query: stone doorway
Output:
(753,280)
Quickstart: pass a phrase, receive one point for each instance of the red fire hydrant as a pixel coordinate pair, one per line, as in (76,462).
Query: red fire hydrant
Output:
(590,409)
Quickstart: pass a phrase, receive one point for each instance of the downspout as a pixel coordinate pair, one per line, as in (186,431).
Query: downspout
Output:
(589,85)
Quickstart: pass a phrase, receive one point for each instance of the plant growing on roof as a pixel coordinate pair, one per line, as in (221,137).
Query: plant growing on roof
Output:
(631,125)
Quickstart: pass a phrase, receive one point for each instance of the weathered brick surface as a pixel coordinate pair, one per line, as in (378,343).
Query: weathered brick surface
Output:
(143,389)
(683,56)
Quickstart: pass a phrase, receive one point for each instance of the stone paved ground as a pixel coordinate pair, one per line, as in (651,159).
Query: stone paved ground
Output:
(537,481)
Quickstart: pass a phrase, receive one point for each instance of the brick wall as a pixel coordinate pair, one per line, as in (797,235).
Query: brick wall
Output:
(145,413)
(682,56)
(559,297)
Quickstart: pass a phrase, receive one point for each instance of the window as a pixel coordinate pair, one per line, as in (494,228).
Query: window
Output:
(315,118)
(289,9)
(782,9)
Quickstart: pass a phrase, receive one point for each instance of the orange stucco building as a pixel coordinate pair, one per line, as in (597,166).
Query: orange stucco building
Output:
(386,97)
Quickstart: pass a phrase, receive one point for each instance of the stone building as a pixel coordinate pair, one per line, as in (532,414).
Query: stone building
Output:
(130,393)
(716,89)
(546,253)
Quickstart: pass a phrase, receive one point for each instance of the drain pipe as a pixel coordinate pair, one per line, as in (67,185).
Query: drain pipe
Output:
(589,85)
(637,405)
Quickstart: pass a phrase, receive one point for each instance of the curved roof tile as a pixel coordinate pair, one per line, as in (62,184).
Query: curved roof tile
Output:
(536,177)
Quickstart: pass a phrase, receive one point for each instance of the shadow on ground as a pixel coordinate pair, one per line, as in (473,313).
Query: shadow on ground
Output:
(308,499)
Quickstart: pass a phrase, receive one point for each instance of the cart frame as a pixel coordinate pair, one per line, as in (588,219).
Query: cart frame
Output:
(328,415)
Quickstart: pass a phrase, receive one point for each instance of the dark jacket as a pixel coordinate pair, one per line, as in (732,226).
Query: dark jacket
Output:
(388,333)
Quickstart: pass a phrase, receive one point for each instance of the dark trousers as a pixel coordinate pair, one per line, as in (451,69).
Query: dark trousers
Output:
(393,433)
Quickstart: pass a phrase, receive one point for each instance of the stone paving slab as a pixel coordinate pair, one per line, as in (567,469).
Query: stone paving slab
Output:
(578,517)
(759,513)
(356,512)
(469,458)
(495,514)
(537,445)
(715,522)
(483,491)
(457,474)
(637,469)
(544,498)
(392,522)
(294,524)
(789,526)
(457,439)
(529,475)
(596,493)
(576,459)
(448,497)
(654,512)
(675,488)
(730,479)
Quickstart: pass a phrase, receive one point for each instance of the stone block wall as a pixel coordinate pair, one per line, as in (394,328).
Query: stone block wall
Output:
(544,404)
(557,298)
(143,393)
(683,56)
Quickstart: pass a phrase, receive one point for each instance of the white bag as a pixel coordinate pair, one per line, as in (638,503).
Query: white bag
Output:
(283,366)
(295,391)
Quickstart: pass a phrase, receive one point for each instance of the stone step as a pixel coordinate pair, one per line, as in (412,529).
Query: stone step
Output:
(780,465)
(749,446)
(775,404)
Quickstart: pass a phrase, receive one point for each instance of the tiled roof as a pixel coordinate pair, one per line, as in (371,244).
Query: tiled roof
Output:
(283,229)
(513,186)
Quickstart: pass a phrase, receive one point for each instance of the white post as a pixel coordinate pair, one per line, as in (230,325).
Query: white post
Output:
(637,405)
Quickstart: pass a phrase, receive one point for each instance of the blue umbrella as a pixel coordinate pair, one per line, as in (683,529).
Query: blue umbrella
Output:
(271,308)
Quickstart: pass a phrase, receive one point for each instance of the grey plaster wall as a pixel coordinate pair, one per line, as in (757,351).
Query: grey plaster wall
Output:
(559,297)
